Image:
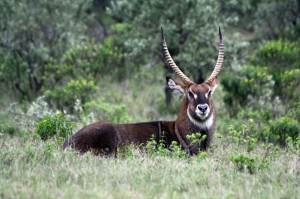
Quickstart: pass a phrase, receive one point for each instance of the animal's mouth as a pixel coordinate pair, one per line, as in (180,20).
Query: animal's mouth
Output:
(202,115)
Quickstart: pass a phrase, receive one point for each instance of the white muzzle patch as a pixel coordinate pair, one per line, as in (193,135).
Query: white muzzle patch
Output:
(202,111)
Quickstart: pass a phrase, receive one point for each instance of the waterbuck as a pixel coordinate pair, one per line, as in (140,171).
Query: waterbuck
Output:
(196,115)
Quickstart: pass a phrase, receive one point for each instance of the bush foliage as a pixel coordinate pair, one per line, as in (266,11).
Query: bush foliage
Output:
(55,125)
(284,129)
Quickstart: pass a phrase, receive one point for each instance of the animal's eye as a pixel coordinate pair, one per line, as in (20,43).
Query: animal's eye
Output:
(209,94)
(191,94)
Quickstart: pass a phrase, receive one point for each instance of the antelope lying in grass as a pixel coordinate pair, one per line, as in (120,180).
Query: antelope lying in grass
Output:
(196,114)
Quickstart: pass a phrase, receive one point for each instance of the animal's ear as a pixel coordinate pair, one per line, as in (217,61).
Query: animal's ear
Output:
(176,86)
(213,85)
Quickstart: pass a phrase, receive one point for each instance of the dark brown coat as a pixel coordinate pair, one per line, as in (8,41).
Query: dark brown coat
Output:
(105,137)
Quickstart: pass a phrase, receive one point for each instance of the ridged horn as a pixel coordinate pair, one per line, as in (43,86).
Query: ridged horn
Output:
(171,62)
(218,65)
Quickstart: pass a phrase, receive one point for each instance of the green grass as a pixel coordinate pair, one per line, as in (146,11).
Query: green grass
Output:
(31,168)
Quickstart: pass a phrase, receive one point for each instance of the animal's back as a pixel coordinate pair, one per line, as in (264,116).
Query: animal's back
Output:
(100,137)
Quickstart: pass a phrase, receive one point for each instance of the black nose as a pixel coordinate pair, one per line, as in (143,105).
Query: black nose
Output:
(202,107)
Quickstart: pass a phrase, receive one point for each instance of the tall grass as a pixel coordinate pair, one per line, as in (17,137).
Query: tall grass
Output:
(31,168)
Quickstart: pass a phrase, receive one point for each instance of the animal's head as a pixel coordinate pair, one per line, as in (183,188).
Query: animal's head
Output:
(198,95)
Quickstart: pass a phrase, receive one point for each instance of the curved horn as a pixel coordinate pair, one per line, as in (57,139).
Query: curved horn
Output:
(218,65)
(170,61)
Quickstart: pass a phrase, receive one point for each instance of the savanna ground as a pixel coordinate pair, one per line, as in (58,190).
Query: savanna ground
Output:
(41,170)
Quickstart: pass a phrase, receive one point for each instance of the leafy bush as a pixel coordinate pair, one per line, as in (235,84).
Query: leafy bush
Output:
(176,150)
(106,111)
(155,148)
(291,92)
(79,60)
(196,138)
(111,57)
(252,86)
(246,162)
(269,83)
(74,75)
(284,128)
(279,56)
(86,60)
(55,125)
(64,97)
(245,134)
(159,149)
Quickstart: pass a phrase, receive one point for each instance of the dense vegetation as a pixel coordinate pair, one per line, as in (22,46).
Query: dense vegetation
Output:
(66,64)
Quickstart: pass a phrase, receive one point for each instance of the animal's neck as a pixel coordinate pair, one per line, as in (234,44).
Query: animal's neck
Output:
(202,124)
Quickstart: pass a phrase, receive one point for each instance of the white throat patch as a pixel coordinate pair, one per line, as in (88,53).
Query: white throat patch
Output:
(207,124)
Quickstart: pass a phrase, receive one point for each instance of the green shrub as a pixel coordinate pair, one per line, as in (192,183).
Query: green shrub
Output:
(291,92)
(74,75)
(196,138)
(55,125)
(250,163)
(108,112)
(176,150)
(251,87)
(270,82)
(64,97)
(245,162)
(246,134)
(279,56)
(87,60)
(155,148)
(284,128)
(159,149)
(111,57)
